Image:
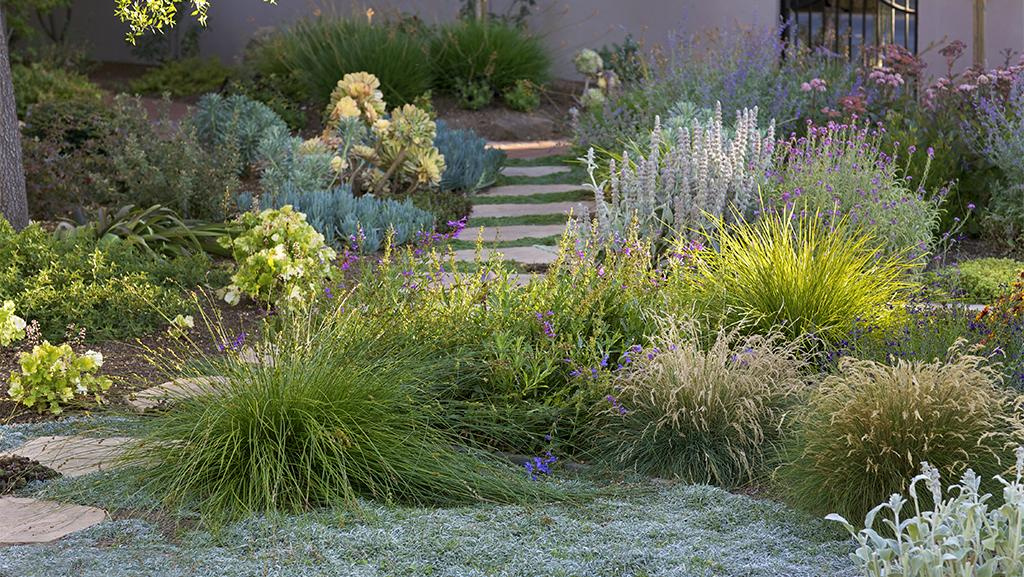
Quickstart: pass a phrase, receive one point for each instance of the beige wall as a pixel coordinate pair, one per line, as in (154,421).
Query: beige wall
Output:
(565,25)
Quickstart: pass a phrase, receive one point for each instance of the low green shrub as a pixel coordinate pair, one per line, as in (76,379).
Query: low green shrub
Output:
(184,77)
(319,51)
(491,54)
(107,288)
(50,376)
(473,94)
(342,414)
(523,96)
(157,231)
(236,122)
(705,415)
(79,156)
(35,83)
(341,217)
(984,280)
(961,534)
(865,429)
(469,166)
(796,274)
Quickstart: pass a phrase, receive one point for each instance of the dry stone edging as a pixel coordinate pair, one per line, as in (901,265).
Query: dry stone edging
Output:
(30,521)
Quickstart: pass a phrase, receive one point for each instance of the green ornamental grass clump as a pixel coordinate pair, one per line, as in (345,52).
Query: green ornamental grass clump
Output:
(340,414)
(319,51)
(866,428)
(702,414)
(797,274)
(493,54)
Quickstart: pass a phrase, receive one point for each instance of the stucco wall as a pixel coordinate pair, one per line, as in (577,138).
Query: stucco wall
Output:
(565,25)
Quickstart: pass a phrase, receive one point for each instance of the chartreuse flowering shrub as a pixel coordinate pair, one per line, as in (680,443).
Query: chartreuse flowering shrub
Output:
(52,375)
(701,413)
(865,428)
(961,535)
(282,260)
(12,327)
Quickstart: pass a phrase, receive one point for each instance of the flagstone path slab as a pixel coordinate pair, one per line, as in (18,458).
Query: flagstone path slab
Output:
(530,255)
(528,209)
(534,171)
(177,389)
(514,232)
(73,456)
(532,148)
(448,279)
(33,521)
(530,189)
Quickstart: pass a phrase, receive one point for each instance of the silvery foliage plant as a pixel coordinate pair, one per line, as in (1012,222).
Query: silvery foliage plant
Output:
(961,536)
(692,176)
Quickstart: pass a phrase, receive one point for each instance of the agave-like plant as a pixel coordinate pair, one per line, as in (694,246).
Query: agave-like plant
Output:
(157,230)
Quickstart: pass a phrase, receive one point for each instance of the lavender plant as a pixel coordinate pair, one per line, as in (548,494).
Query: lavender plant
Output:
(840,170)
(998,136)
(699,175)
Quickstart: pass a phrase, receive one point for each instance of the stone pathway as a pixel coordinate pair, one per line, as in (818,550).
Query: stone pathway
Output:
(154,397)
(533,171)
(513,232)
(73,456)
(32,521)
(527,255)
(530,189)
(528,209)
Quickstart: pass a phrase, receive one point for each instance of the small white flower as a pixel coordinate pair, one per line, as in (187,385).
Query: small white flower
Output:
(95,356)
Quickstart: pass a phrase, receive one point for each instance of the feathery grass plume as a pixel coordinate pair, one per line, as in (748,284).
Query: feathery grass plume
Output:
(865,430)
(702,413)
(335,411)
(797,273)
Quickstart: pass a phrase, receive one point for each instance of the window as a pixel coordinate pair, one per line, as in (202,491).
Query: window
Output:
(847,26)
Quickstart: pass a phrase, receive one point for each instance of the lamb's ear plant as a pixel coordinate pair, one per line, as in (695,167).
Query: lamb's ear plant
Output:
(963,534)
(335,412)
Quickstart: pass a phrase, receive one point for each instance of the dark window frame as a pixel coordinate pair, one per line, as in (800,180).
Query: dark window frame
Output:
(848,26)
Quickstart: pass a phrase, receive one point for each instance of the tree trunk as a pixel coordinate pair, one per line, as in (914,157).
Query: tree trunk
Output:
(13,203)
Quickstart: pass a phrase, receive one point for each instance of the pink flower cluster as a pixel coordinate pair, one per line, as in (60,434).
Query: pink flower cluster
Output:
(886,76)
(816,84)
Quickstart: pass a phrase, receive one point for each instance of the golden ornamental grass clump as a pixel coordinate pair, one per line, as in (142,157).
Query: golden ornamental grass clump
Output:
(866,430)
(703,414)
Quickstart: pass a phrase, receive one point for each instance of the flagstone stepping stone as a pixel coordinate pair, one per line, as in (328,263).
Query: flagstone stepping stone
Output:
(73,456)
(33,521)
(513,232)
(532,148)
(249,355)
(534,171)
(176,389)
(530,189)
(448,279)
(528,209)
(529,255)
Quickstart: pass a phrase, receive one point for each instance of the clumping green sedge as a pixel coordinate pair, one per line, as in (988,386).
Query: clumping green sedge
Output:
(12,327)
(282,260)
(51,375)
